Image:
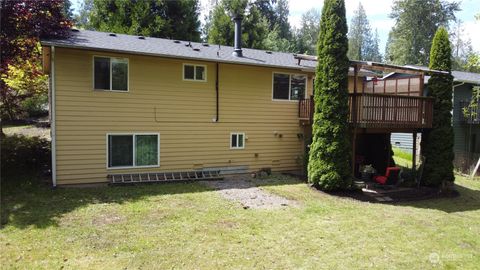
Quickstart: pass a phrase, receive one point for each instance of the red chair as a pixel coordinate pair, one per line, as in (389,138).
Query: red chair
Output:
(390,178)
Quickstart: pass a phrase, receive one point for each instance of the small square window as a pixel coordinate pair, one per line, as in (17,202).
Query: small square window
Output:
(237,140)
(194,72)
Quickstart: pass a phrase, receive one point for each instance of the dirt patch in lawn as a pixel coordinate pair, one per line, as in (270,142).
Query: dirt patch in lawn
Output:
(243,190)
(107,219)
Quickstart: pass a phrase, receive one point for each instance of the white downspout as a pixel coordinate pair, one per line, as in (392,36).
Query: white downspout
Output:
(52,124)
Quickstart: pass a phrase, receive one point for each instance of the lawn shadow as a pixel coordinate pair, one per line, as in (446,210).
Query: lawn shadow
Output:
(467,200)
(41,206)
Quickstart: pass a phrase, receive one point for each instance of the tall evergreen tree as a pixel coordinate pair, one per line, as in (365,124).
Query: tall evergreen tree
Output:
(416,21)
(160,18)
(255,27)
(306,37)
(330,151)
(361,44)
(438,143)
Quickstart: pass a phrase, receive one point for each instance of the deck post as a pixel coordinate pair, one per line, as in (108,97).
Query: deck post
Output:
(414,156)
(354,117)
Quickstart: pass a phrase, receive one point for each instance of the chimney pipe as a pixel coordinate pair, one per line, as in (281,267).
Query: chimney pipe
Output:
(237,51)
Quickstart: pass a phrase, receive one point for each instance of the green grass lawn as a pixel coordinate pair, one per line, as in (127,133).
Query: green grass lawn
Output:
(188,226)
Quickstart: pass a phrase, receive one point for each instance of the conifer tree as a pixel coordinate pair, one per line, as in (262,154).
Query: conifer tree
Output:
(438,143)
(330,151)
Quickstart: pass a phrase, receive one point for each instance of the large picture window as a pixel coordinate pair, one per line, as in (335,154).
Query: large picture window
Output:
(289,86)
(133,150)
(110,73)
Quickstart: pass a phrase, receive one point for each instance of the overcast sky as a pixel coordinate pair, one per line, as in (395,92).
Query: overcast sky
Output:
(377,12)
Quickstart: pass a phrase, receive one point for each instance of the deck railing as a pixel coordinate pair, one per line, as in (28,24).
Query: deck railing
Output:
(382,111)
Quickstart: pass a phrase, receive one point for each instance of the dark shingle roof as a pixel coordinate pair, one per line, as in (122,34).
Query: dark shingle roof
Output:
(458,76)
(102,41)
(467,77)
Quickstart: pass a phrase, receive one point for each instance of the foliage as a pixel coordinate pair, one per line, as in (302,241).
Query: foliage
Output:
(36,106)
(410,39)
(470,111)
(329,163)
(306,37)
(255,27)
(82,19)
(361,44)
(473,63)
(160,18)
(21,155)
(438,143)
(461,48)
(23,24)
(25,80)
(276,13)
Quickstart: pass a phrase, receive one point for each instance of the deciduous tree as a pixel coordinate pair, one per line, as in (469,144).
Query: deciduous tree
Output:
(23,23)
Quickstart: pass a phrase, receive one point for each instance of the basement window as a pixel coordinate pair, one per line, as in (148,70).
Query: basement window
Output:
(110,74)
(289,86)
(193,72)
(237,140)
(133,150)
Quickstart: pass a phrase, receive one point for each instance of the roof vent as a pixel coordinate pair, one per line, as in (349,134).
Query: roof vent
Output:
(269,52)
(189,44)
(141,37)
(112,34)
(75,30)
(205,45)
(176,41)
(196,49)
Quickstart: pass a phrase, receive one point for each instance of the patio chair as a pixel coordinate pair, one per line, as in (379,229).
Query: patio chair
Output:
(390,177)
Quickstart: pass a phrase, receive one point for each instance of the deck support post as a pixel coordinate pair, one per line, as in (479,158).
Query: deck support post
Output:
(414,156)
(354,117)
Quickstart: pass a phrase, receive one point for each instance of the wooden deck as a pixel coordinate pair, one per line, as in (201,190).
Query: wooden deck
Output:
(381,111)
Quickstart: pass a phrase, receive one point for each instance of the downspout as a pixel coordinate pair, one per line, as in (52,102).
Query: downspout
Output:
(52,119)
(217,95)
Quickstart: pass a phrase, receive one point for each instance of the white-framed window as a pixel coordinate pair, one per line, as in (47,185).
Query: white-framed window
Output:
(110,73)
(288,86)
(237,140)
(193,72)
(133,150)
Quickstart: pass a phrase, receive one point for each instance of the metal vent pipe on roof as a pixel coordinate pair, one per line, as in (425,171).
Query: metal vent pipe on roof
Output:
(237,50)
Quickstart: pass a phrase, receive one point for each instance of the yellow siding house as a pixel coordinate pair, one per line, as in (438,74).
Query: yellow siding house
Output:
(123,104)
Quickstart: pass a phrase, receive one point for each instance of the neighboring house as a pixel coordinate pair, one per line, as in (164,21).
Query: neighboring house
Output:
(136,107)
(467,130)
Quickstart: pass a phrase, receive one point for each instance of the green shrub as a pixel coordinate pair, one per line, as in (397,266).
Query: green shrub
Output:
(23,157)
(36,106)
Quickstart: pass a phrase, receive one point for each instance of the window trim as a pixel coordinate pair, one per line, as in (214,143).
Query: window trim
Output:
(194,72)
(237,133)
(289,86)
(110,58)
(133,134)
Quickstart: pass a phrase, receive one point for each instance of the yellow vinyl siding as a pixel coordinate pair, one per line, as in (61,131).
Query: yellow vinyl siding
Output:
(160,101)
